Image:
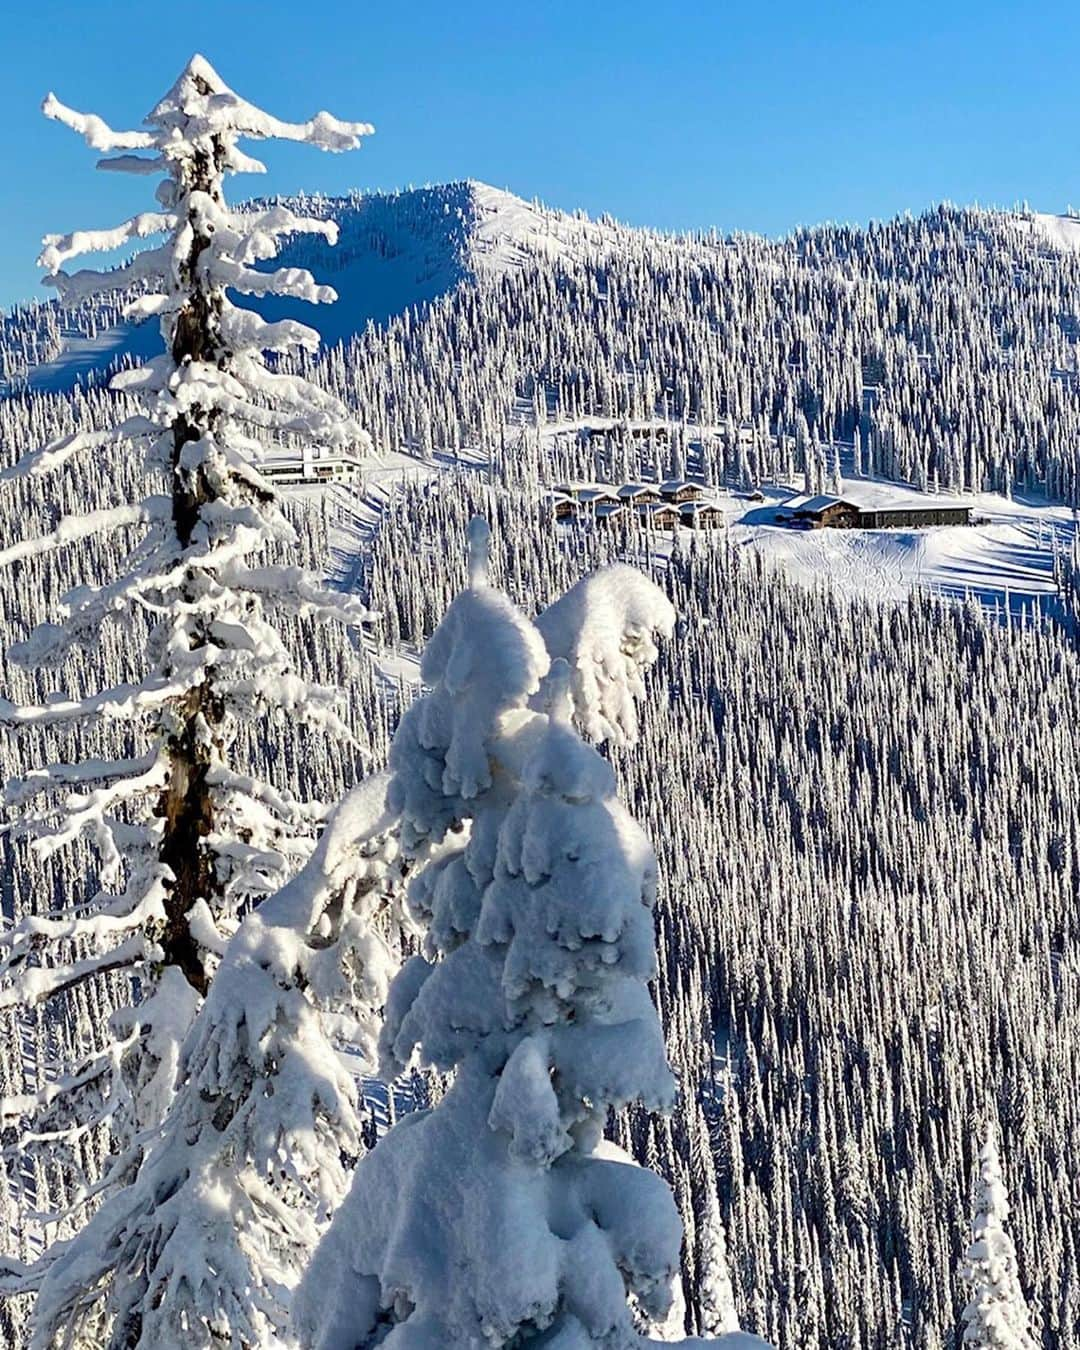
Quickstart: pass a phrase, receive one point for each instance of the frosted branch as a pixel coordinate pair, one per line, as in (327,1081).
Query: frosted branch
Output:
(59,248)
(73,528)
(97,134)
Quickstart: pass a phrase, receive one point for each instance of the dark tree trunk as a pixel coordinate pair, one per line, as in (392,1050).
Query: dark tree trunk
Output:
(186,805)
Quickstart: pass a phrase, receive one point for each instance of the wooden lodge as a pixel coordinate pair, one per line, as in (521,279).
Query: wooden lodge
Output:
(838,513)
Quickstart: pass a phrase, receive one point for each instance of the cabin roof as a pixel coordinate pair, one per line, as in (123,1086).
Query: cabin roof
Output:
(822,502)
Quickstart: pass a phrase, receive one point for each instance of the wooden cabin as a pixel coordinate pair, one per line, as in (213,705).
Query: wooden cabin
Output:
(679,490)
(657,515)
(562,508)
(640,494)
(823,512)
(595,497)
(700,515)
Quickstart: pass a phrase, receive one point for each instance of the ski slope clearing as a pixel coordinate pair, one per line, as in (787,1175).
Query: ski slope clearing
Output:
(1061,231)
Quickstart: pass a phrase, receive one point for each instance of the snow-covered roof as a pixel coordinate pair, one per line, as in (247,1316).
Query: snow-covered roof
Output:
(819,503)
(629,490)
(865,495)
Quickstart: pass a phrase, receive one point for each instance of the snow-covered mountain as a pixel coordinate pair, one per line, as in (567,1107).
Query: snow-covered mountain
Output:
(395,251)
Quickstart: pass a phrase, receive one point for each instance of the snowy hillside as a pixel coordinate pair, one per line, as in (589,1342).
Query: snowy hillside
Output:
(1061,231)
(395,251)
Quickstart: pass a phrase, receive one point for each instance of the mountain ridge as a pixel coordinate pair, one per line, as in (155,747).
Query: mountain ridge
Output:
(397,250)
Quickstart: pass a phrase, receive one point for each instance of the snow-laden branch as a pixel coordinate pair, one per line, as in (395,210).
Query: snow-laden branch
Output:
(86,812)
(58,777)
(58,452)
(299,590)
(151,510)
(37,983)
(122,702)
(253,236)
(149,266)
(60,248)
(18,1107)
(294,282)
(92,928)
(97,134)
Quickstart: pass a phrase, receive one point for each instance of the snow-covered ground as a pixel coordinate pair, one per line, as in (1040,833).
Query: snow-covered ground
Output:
(1061,231)
(1006,557)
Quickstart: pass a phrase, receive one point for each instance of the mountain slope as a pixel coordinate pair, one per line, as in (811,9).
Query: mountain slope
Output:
(395,251)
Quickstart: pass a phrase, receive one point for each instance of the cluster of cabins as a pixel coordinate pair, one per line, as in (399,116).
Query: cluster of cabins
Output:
(658,506)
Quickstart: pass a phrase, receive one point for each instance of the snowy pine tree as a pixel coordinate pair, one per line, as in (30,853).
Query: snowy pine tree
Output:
(996,1316)
(204,1246)
(501,1217)
(186,843)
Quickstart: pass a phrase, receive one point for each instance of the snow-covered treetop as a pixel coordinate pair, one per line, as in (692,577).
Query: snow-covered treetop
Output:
(501,1218)
(192,141)
(200,105)
(606,628)
(996,1316)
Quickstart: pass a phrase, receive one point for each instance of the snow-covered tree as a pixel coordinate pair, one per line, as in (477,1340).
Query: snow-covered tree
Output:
(835,483)
(203,1248)
(996,1316)
(501,1217)
(186,842)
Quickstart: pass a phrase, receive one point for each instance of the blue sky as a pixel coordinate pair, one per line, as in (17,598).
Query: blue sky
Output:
(744,116)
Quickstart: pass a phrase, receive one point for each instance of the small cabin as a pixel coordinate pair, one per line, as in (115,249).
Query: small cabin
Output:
(609,510)
(824,512)
(562,508)
(679,490)
(595,497)
(640,494)
(657,515)
(700,515)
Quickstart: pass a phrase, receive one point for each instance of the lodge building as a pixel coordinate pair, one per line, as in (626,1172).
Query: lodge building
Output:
(838,513)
